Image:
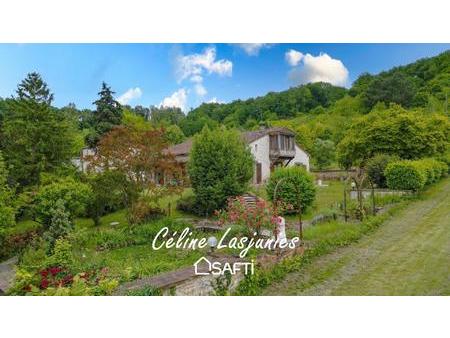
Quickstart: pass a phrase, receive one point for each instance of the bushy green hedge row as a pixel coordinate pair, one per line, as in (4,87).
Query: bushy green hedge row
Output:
(414,175)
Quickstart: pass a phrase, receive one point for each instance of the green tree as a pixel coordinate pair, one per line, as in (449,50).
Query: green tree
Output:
(7,211)
(107,115)
(324,153)
(166,115)
(34,89)
(393,88)
(109,193)
(174,135)
(220,166)
(376,166)
(35,137)
(396,131)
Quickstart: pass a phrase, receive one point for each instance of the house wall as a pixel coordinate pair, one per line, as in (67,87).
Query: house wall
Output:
(260,151)
(301,157)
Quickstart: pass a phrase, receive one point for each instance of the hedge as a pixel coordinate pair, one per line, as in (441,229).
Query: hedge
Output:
(414,175)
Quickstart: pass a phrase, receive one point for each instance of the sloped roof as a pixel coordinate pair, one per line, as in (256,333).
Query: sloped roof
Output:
(249,137)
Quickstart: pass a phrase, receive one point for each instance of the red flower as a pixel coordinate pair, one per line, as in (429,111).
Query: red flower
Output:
(55,270)
(44,283)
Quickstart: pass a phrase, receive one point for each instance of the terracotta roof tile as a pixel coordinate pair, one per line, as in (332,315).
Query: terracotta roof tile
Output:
(249,136)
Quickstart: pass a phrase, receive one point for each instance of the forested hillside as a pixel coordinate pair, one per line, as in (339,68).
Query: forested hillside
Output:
(320,113)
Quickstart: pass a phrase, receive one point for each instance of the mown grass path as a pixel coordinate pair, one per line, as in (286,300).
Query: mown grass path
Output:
(408,255)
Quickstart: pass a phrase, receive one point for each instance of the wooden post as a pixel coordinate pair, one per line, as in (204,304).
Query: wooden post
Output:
(345,202)
(300,224)
(373,200)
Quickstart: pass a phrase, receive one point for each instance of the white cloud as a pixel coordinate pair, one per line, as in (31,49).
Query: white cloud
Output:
(130,94)
(197,79)
(321,68)
(200,90)
(190,66)
(253,49)
(177,99)
(293,57)
(214,100)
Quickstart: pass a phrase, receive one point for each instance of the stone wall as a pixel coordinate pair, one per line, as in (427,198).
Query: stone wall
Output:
(200,286)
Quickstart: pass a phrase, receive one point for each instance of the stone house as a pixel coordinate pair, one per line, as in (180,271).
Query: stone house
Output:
(270,147)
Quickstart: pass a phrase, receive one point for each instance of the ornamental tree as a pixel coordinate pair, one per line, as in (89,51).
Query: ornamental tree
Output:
(141,156)
(290,186)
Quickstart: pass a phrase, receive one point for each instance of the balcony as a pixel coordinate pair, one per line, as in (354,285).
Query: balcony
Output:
(282,147)
(281,153)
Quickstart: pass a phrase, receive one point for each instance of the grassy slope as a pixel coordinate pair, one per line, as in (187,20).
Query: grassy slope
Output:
(408,255)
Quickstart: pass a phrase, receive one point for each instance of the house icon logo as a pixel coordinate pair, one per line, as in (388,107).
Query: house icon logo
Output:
(198,266)
(203,267)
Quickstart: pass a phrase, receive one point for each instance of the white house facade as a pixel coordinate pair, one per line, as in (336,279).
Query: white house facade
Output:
(270,147)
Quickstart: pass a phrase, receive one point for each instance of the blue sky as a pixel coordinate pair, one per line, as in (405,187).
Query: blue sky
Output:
(186,75)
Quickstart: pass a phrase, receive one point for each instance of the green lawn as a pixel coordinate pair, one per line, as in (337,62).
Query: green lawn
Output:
(327,198)
(408,255)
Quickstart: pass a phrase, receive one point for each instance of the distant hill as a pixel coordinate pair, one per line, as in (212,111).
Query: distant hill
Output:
(248,113)
(413,85)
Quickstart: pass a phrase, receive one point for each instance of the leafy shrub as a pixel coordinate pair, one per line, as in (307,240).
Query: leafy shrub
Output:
(375,169)
(445,159)
(7,211)
(439,168)
(11,244)
(108,194)
(75,197)
(112,239)
(261,216)
(414,175)
(405,175)
(7,216)
(60,224)
(141,211)
(220,166)
(294,183)
(62,254)
(431,172)
(187,204)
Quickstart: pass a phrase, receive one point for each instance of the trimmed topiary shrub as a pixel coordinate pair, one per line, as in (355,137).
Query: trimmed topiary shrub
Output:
(405,175)
(414,175)
(432,172)
(376,166)
(445,159)
(294,180)
(433,168)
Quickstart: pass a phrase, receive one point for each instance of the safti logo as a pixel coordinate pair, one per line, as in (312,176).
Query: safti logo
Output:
(204,267)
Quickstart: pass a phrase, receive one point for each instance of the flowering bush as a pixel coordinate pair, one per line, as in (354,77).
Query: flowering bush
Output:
(262,215)
(57,280)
